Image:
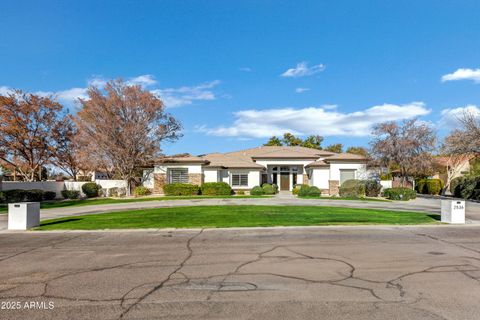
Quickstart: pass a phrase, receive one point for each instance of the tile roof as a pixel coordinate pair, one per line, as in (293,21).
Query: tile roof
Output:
(281,152)
(317,164)
(181,159)
(227,161)
(345,156)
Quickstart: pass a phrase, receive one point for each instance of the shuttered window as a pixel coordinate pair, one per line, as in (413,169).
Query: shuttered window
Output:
(240,179)
(179,175)
(346,174)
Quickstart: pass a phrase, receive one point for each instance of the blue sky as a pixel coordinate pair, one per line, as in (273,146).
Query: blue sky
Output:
(236,72)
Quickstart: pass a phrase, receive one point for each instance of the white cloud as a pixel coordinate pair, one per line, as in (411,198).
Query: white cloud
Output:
(145,80)
(302,90)
(72,95)
(245,69)
(302,69)
(463,74)
(450,116)
(171,97)
(4,90)
(314,120)
(176,97)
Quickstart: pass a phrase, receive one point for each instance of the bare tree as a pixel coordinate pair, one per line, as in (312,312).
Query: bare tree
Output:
(28,123)
(466,139)
(66,154)
(124,127)
(408,145)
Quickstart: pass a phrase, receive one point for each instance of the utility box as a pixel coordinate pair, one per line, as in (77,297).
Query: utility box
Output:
(453,211)
(23,215)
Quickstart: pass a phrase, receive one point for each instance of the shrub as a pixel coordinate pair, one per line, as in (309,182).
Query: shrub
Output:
(308,191)
(268,189)
(35,195)
(275,187)
(296,188)
(372,188)
(3,198)
(454,183)
(400,194)
(386,176)
(257,191)
(240,192)
(352,188)
(70,194)
(14,195)
(141,191)
(180,189)
(429,186)
(216,189)
(466,187)
(49,195)
(90,189)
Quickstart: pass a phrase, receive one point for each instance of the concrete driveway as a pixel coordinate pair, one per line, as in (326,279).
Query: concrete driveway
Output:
(428,205)
(278,273)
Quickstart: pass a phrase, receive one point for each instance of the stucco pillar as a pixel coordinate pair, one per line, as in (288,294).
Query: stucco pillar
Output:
(159,180)
(333,187)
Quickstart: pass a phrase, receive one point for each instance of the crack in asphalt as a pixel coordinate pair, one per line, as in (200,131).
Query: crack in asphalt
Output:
(162,283)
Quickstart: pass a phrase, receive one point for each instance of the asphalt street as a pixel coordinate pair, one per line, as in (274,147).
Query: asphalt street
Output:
(277,273)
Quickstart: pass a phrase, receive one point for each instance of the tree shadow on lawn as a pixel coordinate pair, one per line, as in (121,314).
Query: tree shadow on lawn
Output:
(435,216)
(43,224)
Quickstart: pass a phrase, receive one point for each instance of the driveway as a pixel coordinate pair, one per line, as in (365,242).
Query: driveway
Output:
(428,205)
(327,273)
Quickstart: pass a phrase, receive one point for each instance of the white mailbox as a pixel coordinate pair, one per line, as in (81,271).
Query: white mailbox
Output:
(23,215)
(453,211)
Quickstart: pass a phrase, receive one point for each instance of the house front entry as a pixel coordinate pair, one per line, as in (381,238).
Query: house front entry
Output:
(284,181)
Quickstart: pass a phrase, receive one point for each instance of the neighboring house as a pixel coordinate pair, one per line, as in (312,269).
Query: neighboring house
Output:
(92,175)
(460,166)
(242,170)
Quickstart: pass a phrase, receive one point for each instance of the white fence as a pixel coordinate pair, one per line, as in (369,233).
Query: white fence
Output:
(386,184)
(57,187)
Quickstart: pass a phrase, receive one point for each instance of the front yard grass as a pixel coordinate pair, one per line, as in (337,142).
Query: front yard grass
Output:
(89,202)
(236,216)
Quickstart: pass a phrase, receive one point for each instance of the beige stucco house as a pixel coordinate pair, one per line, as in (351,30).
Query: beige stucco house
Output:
(244,169)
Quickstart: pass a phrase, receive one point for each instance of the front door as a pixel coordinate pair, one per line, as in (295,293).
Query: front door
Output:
(285,181)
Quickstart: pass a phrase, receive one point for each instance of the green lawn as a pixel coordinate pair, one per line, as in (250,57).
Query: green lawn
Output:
(88,202)
(346,198)
(235,216)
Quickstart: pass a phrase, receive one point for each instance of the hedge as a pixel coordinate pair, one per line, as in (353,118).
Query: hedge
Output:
(141,191)
(257,191)
(372,188)
(429,186)
(216,189)
(296,188)
(35,195)
(14,195)
(70,194)
(181,189)
(309,191)
(400,194)
(268,189)
(3,198)
(352,188)
(467,188)
(49,195)
(90,189)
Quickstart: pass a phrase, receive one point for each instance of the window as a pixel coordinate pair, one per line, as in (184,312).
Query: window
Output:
(346,174)
(240,179)
(178,175)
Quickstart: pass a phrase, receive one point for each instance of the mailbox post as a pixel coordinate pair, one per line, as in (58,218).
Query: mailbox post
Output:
(23,215)
(453,211)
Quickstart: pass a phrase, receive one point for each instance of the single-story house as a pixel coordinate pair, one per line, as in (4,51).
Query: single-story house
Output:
(244,169)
